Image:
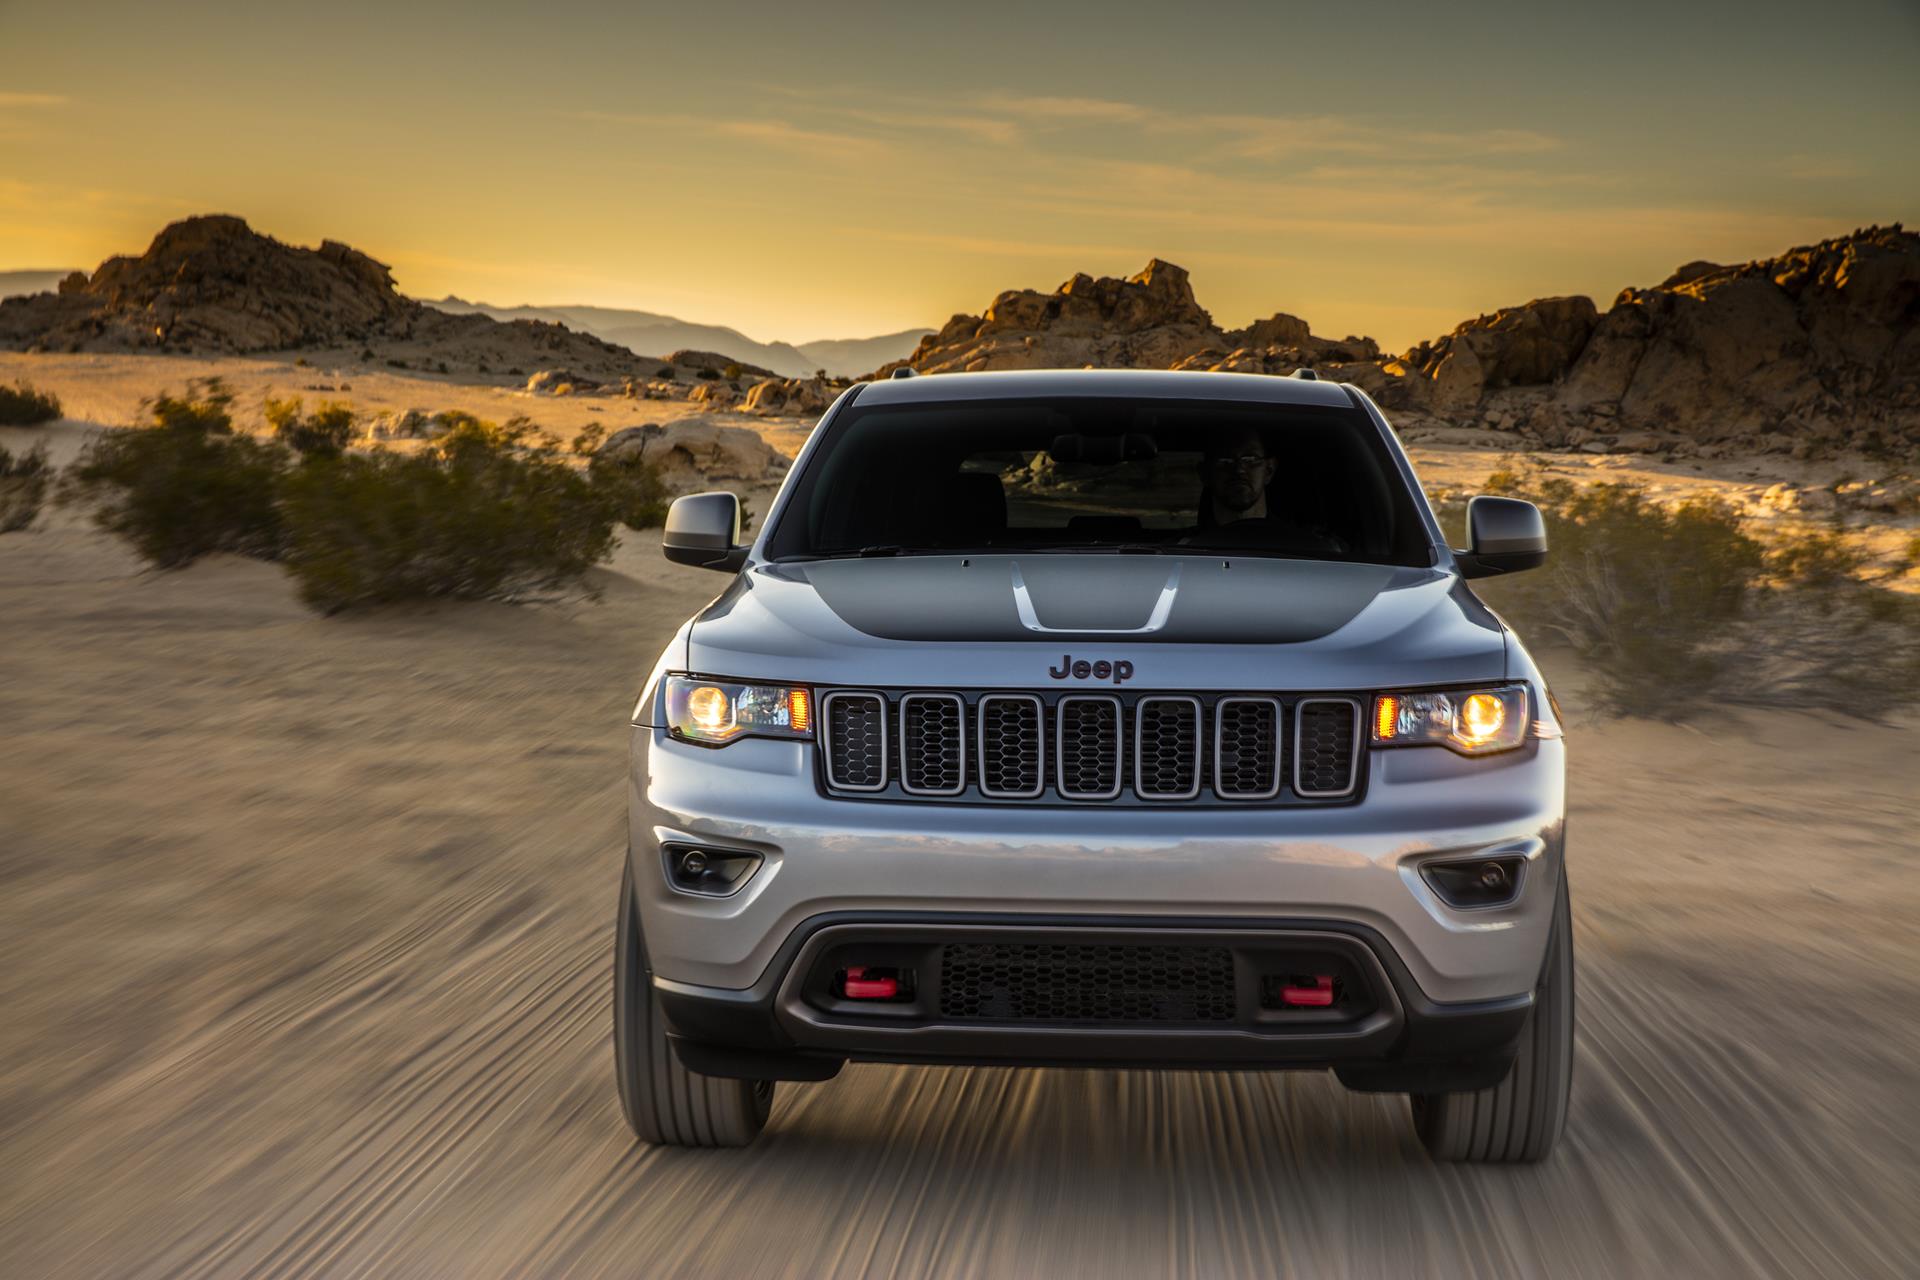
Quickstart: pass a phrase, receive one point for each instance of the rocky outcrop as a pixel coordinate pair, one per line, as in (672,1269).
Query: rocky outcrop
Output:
(1514,347)
(717,361)
(801,396)
(1812,351)
(698,451)
(1148,320)
(213,285)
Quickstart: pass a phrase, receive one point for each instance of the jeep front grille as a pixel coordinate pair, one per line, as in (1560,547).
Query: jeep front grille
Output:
(1125,748)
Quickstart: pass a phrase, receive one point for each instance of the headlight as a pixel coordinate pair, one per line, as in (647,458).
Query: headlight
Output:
(1474,722)
(715,712)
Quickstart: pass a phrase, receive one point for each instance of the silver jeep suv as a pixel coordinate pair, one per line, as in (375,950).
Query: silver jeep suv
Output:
(1115,719)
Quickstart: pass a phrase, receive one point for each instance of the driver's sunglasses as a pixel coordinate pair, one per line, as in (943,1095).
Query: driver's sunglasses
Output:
(1245,462)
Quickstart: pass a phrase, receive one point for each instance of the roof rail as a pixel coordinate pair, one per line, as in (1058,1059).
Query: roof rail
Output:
(905,371)
(1304,374)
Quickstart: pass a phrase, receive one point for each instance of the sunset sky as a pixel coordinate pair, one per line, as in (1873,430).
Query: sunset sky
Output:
(804,171)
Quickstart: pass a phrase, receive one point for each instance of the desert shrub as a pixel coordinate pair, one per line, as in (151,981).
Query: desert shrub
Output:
(733,373)
(185,485)
(668,372)
(23,488)
(22,406)
(325,432)
(708,375)
(485,512)
(1673,608)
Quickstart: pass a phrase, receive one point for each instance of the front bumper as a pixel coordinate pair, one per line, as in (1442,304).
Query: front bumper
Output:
(730,970)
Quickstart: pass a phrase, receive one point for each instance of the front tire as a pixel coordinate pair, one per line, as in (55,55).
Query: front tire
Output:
(665,1103)
(1519,1120)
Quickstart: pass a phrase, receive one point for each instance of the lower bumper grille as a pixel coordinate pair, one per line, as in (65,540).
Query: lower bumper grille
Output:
(1037,982)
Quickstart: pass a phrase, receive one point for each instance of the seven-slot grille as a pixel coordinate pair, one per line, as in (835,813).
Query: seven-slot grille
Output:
(1145,748)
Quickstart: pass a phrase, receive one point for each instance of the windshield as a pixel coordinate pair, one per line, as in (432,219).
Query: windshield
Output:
(1124,476)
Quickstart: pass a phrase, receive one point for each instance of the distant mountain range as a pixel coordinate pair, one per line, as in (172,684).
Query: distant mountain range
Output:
(642,331)
(650,332)
(15,283)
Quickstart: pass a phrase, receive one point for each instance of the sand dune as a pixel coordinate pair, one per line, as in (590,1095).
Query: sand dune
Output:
(304,965)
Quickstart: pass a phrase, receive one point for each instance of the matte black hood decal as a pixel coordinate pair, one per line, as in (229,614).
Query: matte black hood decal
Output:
(1153,599)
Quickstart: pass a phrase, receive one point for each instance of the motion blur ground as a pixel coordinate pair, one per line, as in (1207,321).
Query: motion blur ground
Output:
(304,969)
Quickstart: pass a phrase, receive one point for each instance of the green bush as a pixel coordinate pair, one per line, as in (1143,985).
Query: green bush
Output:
(186,485)
(22,406)
(1672,609)
(323,433)
(23,488)
(484,513)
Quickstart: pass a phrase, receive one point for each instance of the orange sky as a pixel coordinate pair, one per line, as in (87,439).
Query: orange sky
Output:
(803,172)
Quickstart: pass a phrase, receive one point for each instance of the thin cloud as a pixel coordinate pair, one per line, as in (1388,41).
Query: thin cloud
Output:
(11,98)
(1066,110)
(781,135)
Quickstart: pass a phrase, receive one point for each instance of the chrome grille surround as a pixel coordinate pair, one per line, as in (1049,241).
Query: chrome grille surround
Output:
(1074,716)
(864,717)
(1163,769)
(994,728)
(1228,775)
(1303,750)
(943,761)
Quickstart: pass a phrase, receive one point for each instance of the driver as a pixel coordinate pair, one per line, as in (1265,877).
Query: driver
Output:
(1236,471)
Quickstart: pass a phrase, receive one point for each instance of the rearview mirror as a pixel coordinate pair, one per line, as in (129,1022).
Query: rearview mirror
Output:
(703,530)
(1506,536)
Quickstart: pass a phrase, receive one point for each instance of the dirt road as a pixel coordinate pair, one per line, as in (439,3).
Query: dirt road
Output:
(305,933)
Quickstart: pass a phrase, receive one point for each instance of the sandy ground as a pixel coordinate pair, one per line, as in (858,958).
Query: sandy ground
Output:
(305,941)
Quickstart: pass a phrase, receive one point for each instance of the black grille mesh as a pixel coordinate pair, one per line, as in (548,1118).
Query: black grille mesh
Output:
(1036,982)
(856,740)
(1325,746)
(1089,747)
(932,729)
(1010,757)
(1249,744)
(1168,759)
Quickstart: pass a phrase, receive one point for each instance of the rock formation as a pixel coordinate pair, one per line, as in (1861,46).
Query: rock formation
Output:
(213,285)
(700,450)
(1812,351)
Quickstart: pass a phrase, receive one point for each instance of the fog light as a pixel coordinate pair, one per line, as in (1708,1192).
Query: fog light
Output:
(1475,882)
(712,873)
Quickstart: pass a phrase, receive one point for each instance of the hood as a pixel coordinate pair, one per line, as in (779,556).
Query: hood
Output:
(1179,622)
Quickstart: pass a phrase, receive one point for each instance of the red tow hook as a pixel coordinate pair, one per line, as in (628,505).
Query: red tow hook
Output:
(860,987)
(1317,996)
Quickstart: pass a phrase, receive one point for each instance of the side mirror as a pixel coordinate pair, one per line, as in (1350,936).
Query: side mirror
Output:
(1507,535)
(703,529)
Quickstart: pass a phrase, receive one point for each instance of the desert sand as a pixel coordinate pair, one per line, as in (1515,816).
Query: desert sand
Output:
(306,929)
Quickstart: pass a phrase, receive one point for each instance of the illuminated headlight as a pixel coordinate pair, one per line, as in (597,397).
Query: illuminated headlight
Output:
(715,712)
(1474,722)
